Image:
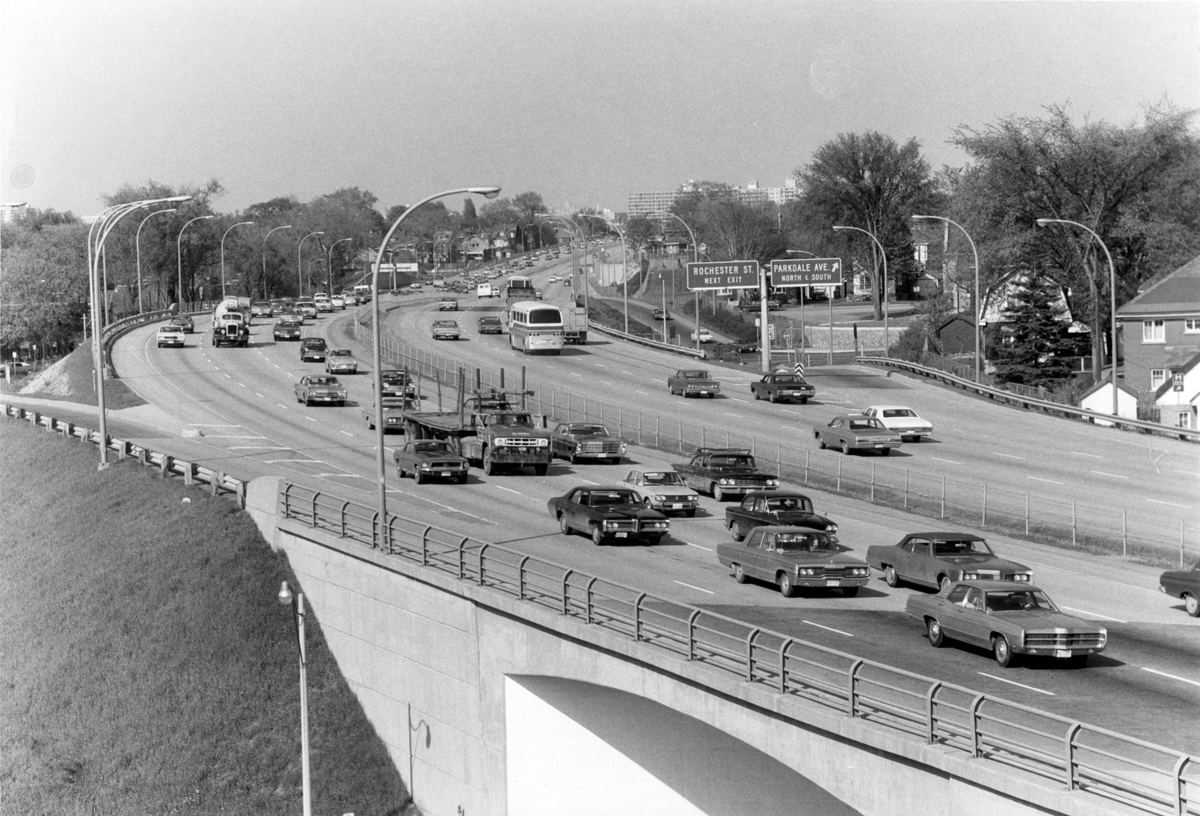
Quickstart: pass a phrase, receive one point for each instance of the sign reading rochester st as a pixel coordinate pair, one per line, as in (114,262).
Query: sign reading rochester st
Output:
(807,272)
(722,275)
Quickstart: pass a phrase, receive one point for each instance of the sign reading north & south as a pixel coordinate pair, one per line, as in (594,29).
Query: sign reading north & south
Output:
(807,272)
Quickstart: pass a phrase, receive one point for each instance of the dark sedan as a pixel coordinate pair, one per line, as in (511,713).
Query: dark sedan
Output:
(430,459)
(776,510)
(586,440)
(937,559)
(1183,584)
(608,514)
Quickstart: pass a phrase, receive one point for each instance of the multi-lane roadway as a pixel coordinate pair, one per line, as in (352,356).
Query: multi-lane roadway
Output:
(238,413)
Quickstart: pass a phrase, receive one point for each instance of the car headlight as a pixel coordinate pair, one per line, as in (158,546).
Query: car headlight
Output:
(808,571)
(1103,637)
(621,447)
(772,483)
(542,443)
(579,447)
(725,481)
(1023,576)
(970,576)
(831,527)
(861,571)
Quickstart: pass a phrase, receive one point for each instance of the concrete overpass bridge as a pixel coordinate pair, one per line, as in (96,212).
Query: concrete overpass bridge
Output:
(505,684)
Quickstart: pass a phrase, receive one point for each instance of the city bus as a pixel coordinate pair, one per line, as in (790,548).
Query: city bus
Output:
(535,327)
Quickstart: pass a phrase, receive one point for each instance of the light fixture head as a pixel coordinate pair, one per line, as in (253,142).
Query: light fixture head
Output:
(486,192)
(285,593)
(1041,222)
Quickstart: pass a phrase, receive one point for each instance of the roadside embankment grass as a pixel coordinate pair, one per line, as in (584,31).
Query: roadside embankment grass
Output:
(71,378)
(146,666)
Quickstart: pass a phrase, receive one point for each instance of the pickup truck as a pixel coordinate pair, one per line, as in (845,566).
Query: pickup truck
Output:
(776,510)
(782,386)
(724,472)
(692,382)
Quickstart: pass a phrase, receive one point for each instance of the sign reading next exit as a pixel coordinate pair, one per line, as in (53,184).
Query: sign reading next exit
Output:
(722,275)
(807,272)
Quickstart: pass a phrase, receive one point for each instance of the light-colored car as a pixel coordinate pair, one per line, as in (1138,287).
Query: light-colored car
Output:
(445,330)
(484,290)
(792,558)
(938,559)
(856,432)
(902,420)
(448,304)
(338,301)
(663,490)
(341,361)
(320,388)
(704,334)
(170,336)
(306,308)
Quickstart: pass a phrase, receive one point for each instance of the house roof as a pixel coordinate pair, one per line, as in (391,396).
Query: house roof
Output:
(1183,368)
(1101,383)
(1176,294)
(960,316)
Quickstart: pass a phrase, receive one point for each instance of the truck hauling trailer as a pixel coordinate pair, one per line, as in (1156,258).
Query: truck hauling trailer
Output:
(231,322)
(492,429)
(575,325)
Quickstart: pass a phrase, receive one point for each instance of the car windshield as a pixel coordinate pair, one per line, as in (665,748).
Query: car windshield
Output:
(339,353)
(1019,600)
(393,377)
(431,446)
(667,478)
(898,412)
(865,424)
(789,504)
(322,380)
(588,430)
(695,375)
(802,542)
(315,343)
(787,378)
(511,419)
(965,546)
(611,497)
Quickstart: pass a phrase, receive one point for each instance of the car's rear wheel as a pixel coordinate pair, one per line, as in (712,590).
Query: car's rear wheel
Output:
(890,577)
(690,513)
(786,588)
(936,636)
(462,478)
(886,451)
(739,574)
(1002,651)
(1192,604)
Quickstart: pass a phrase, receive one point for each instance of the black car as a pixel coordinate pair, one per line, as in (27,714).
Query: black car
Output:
(313,349)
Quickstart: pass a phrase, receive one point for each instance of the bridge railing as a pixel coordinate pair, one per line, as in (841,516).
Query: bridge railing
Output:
(1080,757)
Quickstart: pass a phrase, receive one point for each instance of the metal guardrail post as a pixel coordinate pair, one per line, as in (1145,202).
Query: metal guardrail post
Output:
(376,530)
(783,664)
(588,600)
(482,550)
(521,578)
(425,545)
(750,652)
(462,559)
(852,702)
(1180,808)
(983,523)
(691,633)
(313,509)
(931,726)
(976,741)
(566,605)
(1070,757)
(637,617)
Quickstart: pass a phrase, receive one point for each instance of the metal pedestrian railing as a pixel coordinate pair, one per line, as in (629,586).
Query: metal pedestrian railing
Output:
(1078,756)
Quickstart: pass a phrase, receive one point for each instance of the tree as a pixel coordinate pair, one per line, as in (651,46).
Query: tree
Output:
(1033,348)
(528,205)
(870,182)
(1135,185)
(44,285)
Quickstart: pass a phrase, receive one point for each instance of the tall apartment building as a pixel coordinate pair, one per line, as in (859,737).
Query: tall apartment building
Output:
(750,193)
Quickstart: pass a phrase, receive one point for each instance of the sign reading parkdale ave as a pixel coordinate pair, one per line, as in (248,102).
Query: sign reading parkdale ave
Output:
(807,272)
(723,275)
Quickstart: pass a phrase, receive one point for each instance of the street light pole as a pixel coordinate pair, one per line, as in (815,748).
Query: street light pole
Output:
(137,242)
(329,261)
(978,300)
(695,259)
(582,258)
(377,347)
(887,342)
(264,255)
(296,601)
(1112,295)
(179,250)
(300,263)
(239,224)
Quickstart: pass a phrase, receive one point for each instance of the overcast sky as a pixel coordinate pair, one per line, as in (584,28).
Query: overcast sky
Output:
(582,101)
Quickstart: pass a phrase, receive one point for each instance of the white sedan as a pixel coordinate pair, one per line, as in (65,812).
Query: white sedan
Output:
(901,420)
(663,490)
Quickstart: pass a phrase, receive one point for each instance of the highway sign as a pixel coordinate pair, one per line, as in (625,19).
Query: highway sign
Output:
(807,272)
(722,275)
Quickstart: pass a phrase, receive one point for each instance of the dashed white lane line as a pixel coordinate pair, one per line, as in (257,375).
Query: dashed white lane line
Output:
(347,433)
(739,399)
(508,490)
(1093,614)
(947,461)
(1104,473)
(585,481)
(260,396)
(1006,455)
(1048,481)
(599,365)
(576,374)
(228,377)
(310,419)
(827,628)
(1172,676)
(1019,685)
(727,413)
(1168,504)
(1092,455)
(281,405)
(698,547)
(256,447)
(643,393)
(790,411)
(698,589)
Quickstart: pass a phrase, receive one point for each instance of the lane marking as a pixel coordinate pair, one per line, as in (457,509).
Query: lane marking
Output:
(260,396)
(281,405)
(947,461)
(285,461)
(509,489)
(576,374)
(643,393)
(727,413)
(347,433)
(1006,455)
(585,481)
(1092,455)
(1168,504)
(1020,685)
(232,436)
(1093,614)
(1172,676)
(790,411)
(1103,473)
(698,547)
(1049,481)
(600,365)
(698,589)
(241,385)
(339,475)
(827,628)
(310,419)
(739,399)
(202,425)
(256,447)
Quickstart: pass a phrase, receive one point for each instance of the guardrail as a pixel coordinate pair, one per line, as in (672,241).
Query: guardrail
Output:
(645,341)
(1029,403)
(1078,756)
(218,482)
(118,327)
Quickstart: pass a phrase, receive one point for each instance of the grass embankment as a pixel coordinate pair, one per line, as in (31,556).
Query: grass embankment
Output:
(70,379)
(147,666)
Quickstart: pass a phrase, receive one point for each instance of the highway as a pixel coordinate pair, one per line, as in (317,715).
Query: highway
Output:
(241,401)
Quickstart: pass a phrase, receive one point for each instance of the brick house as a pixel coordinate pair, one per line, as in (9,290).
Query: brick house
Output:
(1161,341)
